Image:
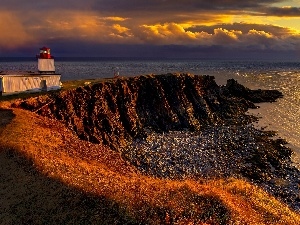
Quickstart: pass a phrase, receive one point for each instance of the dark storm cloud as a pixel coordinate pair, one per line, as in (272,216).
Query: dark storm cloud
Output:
(144,28)
(129,6)
(152,11)
(171,5)
(60,49)
(43,5)
(283,12)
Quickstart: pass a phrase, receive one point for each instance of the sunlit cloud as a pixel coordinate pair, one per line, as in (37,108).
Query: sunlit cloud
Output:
(13,34)
(76,24)
(275,38)
(120,29)
(190,19)
(257,24)
(114,18)
(169,33)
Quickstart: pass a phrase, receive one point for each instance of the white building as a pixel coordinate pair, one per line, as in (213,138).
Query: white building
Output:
(44,80)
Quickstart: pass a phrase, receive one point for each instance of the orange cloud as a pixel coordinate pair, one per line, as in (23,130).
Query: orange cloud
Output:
(114,18)
(260,34)
(223,36)
(168,33)
(13,33)
(80,25)
(171,33)
(92,27)
(120,29)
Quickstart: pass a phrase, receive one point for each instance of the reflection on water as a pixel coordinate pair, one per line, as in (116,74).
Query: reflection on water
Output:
(282,116)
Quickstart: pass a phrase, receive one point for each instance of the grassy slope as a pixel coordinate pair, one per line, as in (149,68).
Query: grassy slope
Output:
(48,177)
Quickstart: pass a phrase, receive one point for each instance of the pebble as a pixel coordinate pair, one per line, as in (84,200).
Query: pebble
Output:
(218,151)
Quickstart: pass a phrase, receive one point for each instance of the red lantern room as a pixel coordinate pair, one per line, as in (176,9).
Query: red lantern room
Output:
(45,61)
(45,53)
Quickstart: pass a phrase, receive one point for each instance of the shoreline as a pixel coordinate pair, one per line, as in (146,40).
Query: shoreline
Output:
(263,123)
(219,152)
(212,143)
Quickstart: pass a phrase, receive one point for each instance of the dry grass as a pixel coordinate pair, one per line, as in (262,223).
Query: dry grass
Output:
(50,177)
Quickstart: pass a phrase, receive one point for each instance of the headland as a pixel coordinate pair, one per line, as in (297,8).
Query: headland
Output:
(178,137)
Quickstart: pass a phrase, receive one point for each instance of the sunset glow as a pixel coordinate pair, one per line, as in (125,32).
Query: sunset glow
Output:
(263,25)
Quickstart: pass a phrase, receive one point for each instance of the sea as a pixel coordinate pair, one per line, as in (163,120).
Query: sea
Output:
(282,116)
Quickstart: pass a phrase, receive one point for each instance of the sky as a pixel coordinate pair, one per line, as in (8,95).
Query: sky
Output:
(152,28)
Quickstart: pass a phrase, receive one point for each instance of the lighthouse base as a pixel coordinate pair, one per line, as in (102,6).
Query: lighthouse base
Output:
(19,83)
(46,66)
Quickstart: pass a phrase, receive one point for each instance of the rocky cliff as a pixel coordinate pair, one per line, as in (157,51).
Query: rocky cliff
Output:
(115,112)
(130,114)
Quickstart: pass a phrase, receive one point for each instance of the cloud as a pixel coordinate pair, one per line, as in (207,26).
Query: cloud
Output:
(43,5)
(178,6)
(86,26)
(152,10)
(226,37)
(114,18)
(201,23)
(168,33)
(283,11)
(244,28)
(13,34)
(274,38)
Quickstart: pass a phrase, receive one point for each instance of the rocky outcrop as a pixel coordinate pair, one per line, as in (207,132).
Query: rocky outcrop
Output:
(234,88)
(146,118)
(115,112)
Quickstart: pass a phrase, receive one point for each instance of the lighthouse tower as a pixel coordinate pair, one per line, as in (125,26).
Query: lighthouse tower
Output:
(45,79)
(45,61)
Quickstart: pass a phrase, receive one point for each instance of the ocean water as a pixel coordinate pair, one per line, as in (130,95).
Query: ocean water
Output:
(282,116)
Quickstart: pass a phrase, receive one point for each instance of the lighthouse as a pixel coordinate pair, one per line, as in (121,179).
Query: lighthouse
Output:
(45,61)
(45,79)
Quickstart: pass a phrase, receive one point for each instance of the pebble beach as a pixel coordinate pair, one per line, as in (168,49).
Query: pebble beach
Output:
(216,152)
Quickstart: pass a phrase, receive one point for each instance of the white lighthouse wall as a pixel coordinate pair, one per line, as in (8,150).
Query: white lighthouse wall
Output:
(46,65)
(16,83)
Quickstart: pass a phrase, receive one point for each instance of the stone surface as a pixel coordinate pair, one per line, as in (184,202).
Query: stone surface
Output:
(178,125)
(114,113)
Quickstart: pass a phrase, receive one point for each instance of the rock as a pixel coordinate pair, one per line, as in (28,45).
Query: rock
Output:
(114,113)
(176,126)
(234,88)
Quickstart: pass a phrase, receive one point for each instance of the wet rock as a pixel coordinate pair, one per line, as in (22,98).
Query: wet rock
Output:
(234,88)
